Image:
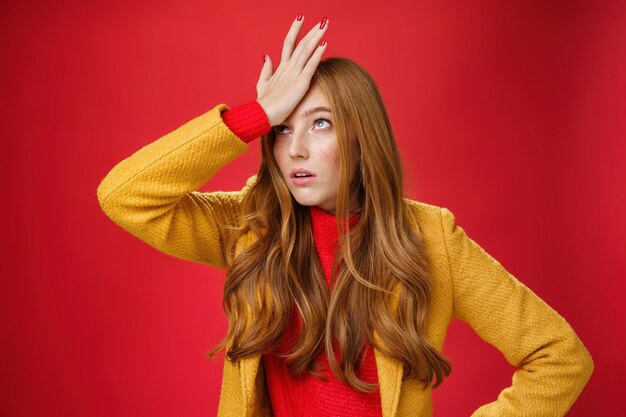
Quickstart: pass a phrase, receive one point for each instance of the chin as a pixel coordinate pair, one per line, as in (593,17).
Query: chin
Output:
(306,201)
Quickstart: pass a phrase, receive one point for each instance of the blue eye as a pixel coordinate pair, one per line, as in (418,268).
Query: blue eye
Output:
(282,129)
(321,120)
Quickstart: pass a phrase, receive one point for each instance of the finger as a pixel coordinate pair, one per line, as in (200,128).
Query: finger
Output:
(311,65)
(314,32)
(268,69)
(266,73)
(308,45)
(291,38)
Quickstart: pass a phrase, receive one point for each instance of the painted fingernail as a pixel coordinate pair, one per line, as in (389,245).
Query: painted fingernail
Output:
(264,58)
(322,43)
(300,16)
(323,23)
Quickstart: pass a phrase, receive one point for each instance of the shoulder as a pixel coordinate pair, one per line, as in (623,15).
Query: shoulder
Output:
(249,183)
(224,204)
(237,194)
(431,221)
(423,214)
(235,198)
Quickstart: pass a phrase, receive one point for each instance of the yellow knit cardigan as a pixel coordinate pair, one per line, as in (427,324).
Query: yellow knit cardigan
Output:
(152,194)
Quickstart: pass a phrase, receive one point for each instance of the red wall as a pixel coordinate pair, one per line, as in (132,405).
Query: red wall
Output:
(509,114)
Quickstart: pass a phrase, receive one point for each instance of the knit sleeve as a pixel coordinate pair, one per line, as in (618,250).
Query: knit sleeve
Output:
(248,120)
(553,364)
(152,194)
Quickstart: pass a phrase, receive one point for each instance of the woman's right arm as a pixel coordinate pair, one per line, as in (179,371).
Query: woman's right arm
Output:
(152,194)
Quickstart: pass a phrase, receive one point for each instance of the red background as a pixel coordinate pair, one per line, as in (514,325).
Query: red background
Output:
(511,114)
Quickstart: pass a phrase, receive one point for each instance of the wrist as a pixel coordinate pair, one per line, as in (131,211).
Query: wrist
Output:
(271,118)
(247,121)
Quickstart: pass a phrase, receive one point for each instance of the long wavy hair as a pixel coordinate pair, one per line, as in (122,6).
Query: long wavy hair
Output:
(280,274)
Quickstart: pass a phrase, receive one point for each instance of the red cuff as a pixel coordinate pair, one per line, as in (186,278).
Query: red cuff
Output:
(248,121)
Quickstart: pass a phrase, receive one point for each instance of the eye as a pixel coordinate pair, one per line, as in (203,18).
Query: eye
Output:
(318,124)
(279,129)
(322,126)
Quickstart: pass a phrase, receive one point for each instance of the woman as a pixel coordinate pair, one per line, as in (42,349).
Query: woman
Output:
(339,290)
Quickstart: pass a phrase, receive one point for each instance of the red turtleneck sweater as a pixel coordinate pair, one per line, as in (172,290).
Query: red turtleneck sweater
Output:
(308,396)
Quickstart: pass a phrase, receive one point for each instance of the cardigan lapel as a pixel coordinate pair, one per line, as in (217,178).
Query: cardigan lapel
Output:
(249,365)
(390,371)
(248,370)
(390,374)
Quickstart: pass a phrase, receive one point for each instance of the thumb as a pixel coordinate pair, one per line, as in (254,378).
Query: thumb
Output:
(268,69)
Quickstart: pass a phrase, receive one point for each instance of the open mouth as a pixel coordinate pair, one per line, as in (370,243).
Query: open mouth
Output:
(300,173)
(301,176)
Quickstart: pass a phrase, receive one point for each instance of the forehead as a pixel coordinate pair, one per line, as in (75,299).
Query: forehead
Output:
(313,98)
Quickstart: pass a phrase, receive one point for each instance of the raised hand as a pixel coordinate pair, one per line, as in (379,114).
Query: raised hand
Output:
(280,91)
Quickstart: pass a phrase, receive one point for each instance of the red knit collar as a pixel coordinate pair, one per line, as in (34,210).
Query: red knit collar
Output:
(323,220)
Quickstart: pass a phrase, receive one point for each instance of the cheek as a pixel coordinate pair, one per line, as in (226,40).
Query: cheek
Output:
(329,165)
(330,156)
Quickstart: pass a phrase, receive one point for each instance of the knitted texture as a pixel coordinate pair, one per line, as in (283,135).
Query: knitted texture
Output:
(152,194)
(325,237)
(307,396)
(248,121)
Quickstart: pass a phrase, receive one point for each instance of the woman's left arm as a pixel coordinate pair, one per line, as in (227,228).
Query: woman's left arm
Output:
(554,365)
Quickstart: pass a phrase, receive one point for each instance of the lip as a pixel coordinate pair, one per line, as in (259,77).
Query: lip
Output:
(301,180)
(295,171)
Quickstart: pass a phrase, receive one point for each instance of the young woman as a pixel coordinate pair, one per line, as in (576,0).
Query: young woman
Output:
(339,290)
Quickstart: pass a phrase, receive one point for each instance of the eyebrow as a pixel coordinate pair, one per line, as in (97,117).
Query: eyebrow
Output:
(312,110)
(316,110)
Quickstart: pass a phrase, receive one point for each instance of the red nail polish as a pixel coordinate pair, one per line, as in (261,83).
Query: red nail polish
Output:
(323,23)
(322,43)
(264,58)
(300,16)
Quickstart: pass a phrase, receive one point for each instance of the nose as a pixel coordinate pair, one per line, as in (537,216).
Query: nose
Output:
(298,146)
